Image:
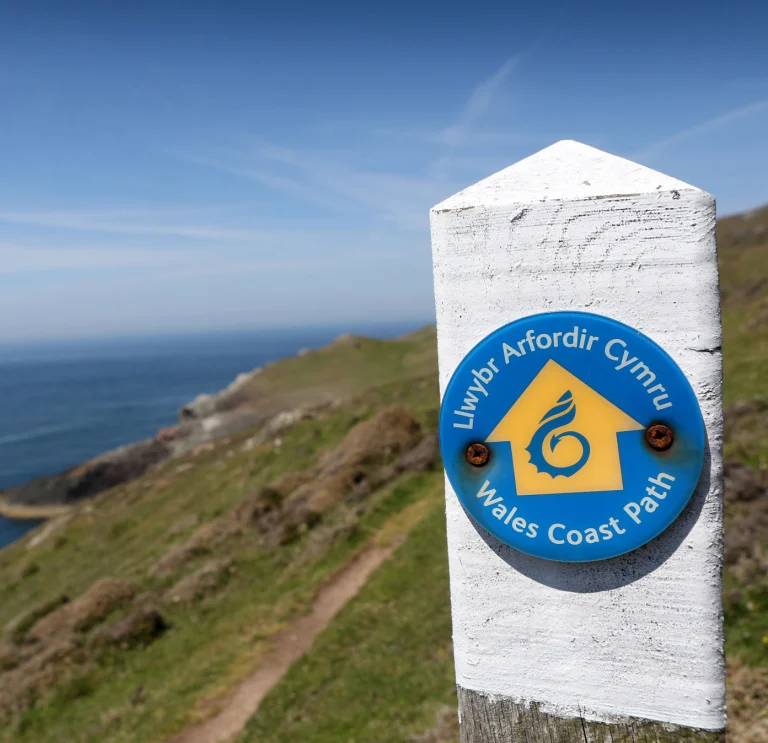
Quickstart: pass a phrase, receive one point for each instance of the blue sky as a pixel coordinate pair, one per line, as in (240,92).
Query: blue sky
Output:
(183,166)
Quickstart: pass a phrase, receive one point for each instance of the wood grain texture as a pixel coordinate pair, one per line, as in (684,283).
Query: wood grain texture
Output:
(498,720)
(573,228)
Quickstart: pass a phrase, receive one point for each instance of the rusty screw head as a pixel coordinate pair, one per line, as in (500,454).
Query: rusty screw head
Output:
(478,455)
(659,437)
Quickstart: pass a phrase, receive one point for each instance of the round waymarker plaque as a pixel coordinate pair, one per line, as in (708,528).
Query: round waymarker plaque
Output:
(571,436)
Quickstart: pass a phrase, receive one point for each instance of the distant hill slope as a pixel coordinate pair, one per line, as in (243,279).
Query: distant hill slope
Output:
(743,253)
(134,616)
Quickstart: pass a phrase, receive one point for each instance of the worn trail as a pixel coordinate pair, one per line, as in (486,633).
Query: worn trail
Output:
(289,645)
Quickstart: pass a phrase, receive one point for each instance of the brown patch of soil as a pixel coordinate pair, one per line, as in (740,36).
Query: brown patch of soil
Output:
(253,507)
(296,501)
(747,703)
(198,544)
(140,627)
(17,628)
(87,610)
(347,470)
(204,580)
(10,656)
(184,523)
(446,728)
(746,495)
(54,663)
(744,483)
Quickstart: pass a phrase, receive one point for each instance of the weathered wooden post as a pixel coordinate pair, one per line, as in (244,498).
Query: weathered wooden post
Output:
(581,430)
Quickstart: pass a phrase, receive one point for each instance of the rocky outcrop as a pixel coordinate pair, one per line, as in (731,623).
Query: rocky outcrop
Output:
(229,398)
(266,405)
(129,462)
(91,478)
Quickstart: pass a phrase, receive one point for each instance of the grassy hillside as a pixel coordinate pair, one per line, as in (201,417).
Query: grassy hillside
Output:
(225,545)
(137,614)
(743,248)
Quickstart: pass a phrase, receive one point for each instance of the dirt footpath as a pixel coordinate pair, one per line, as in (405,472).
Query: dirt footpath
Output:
(289,645)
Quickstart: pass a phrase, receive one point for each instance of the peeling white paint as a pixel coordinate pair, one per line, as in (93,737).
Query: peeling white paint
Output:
(573,228)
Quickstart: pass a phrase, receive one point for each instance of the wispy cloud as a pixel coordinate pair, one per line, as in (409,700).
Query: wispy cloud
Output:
(17,259)
(710,125)
(480,100)
(337,181)
(289,250)
(333,181)
(481,138)
(349,181)
(249,164)
(344,182)
(129,222)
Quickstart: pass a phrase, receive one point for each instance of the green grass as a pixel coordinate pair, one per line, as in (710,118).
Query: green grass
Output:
(215,643)
(206,651)
(743,253)
(342,370)
(383,667)
(747,627)
(743,257)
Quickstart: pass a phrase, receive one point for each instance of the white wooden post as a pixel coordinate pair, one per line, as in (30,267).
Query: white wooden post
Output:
(625,649)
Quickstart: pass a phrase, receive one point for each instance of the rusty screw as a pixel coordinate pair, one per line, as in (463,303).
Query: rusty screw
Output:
(659,437)
(478,455)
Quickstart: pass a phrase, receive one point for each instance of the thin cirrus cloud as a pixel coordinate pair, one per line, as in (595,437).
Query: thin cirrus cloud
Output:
(705,127)
(302,249)
(165,224)
(463,131)
(249,165)
(480,100)
(481,137)
(324,180)
(129,222)
(337,182)
(19,259)
(169,265)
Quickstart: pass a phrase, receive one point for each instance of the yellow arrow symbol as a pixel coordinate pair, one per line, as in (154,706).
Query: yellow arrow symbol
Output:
(596,419)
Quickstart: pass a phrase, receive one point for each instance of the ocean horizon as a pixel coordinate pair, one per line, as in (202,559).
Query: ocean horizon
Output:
(65,402)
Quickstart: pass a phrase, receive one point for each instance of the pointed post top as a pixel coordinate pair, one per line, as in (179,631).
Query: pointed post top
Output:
(566,170)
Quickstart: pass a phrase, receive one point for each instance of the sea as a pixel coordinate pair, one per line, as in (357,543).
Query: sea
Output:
(65,402)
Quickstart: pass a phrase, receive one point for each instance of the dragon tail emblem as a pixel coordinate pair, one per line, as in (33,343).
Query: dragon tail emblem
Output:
(559,416)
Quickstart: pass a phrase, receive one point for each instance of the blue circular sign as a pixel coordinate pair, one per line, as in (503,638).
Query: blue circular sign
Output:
(571,436)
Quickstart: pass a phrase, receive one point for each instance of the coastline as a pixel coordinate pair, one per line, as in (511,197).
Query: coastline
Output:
(17,512)
(199,421)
